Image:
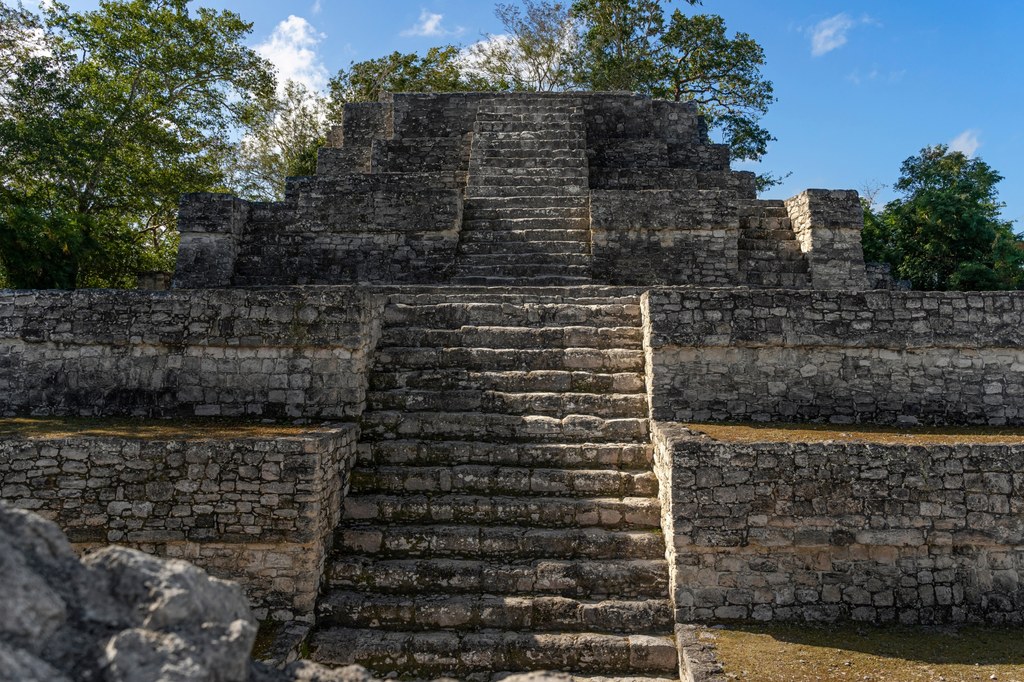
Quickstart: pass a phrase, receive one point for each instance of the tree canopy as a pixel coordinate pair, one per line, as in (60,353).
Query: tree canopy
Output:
(944,231)
(117,113)
(630,45)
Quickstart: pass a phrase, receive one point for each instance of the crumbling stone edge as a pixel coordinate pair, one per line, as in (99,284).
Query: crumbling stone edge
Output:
(698,660)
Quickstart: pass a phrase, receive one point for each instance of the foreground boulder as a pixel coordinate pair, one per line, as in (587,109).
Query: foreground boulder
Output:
(120,615)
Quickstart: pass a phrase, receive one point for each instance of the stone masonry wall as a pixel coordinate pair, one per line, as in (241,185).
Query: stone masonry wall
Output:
(880,356)
(664,236)
(828,225)
(828,531)
(259,510)
(229,352)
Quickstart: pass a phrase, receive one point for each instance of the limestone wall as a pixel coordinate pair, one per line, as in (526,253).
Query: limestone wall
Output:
(828,531)
(664,236)
(881,356)
(828,225)
(267,353)
(259,510)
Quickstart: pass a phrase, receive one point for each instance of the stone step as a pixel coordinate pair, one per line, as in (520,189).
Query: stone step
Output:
(763,208)
(430,654)
(474,211)
(513,337)
(770,233)
(566,201)
(778,280)
(535,280)
(580,246)
(627,456)
(776,255)
(517,235)
(511,381)
(612,513)
(512,543)
(778,265)
(474,191)
(549,147)
(510,223)
(601,360)
(622,578)
(574,428)
(501,262)
(459,314)
(490,152)
(744,243)
(608,405)
(519,272)
(424,612)
(548,180)
(476,479)
(550,111)
(514,122)
(542,174)
(558,165)
(598,360)
(597,294)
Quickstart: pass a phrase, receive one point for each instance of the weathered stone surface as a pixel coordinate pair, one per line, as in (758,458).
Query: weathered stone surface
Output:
(259,510)
(540,188)
(119,616)
(829,531)
(229,353)
(880,356)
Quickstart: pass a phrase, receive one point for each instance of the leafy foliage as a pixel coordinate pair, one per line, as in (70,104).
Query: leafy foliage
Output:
(630,45)
(535,53)
(945,231)
(123,109)
(282,142)
(439,70)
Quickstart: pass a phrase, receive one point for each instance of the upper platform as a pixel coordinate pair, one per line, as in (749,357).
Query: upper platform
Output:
(523,189)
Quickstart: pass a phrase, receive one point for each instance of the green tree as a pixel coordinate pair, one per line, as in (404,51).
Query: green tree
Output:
(620,44)
(722,75)
(439,70)
(629,45)
(945,230)
(126,108)
(536,51)
(282,142)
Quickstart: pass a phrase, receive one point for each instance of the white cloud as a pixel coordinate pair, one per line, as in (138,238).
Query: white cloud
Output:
(966,142)
(317,7)
(831,34)
(292,48)
(430,26)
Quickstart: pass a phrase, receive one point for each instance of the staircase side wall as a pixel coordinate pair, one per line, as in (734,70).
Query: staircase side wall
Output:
(257,509)
(664,237)
(831,531)
(828,224)
(358,228)
(882,357)
(217,352)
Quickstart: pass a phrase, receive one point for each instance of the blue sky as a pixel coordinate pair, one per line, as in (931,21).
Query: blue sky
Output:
(861,84)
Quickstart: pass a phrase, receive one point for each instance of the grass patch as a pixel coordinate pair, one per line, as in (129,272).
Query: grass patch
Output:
(802,653)
(860,433)
(146,429)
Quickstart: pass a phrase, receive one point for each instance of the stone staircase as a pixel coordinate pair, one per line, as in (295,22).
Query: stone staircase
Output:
(526,217)
(769,254)
(504,514)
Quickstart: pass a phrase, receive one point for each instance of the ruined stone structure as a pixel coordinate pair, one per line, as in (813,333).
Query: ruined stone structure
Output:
(507,306)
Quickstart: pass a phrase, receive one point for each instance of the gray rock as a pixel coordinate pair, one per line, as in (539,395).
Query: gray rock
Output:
(18,665)
(119,615)
(32,610)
